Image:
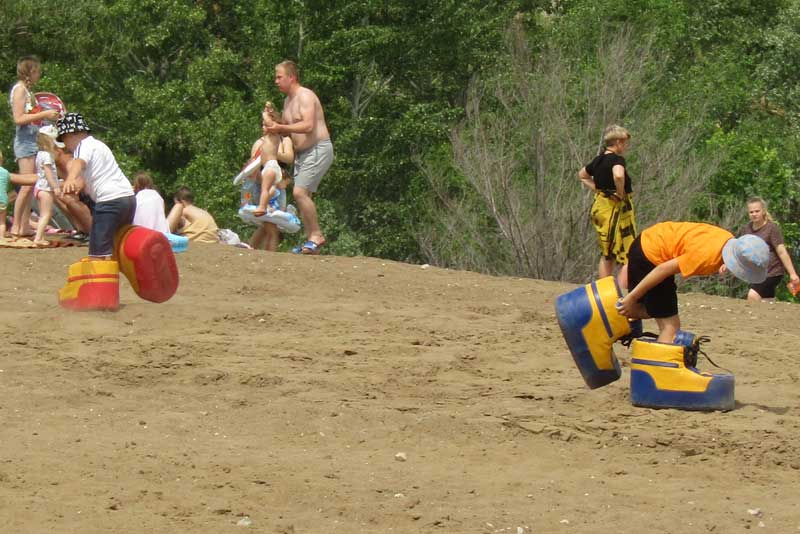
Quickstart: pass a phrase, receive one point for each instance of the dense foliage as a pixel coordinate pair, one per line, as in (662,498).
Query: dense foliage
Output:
(175,87)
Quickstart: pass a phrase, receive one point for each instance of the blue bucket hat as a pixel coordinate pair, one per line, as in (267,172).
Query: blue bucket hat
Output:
(747,258)
(72,123)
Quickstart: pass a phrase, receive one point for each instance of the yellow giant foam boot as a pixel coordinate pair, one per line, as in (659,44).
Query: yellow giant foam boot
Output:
(661,378)
(590,324)
(91,285)
(147,261)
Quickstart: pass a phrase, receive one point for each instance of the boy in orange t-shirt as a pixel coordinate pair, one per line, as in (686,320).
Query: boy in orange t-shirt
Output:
(691,249)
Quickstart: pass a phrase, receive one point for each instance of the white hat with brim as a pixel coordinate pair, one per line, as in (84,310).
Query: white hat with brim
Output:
(747,258)
(50,131)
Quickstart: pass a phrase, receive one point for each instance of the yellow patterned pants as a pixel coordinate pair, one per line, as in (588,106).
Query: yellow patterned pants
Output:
(615,225)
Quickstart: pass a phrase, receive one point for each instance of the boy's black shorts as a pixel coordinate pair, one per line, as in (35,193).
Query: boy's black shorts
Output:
(661,301)
(766,289)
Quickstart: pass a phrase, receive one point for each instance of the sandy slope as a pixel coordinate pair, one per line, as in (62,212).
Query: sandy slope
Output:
(281,388)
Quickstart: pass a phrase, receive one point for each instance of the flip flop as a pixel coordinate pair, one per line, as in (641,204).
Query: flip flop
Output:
(311,248)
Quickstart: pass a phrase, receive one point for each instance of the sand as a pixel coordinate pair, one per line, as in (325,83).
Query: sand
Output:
(277,393)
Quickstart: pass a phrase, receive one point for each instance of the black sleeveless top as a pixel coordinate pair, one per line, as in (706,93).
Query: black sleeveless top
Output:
(600,169)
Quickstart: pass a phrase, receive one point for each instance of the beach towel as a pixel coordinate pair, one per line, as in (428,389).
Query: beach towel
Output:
(53,241)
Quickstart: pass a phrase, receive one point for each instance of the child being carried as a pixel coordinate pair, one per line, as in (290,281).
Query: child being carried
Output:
(273,179)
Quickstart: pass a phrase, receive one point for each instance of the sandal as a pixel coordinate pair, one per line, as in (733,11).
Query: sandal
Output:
(311,248)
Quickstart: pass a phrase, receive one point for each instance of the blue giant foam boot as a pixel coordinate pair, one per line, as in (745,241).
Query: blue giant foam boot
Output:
(590,323)
(662,376)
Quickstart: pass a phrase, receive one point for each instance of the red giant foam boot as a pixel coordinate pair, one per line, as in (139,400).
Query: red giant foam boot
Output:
(146,259)
(91,285)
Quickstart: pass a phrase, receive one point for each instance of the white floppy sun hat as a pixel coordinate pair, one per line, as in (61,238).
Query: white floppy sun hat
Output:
(50,131)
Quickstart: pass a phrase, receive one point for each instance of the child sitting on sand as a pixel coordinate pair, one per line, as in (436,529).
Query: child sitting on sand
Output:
(191,221)
(691,249)
(47,186)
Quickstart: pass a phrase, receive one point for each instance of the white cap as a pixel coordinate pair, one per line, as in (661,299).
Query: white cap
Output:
(50,131)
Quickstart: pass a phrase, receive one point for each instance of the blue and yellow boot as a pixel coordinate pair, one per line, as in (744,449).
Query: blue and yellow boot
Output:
(663,375)
(590,323)
(91,285)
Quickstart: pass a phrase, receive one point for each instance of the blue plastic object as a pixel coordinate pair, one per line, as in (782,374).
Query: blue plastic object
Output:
(591,324)
(179,243)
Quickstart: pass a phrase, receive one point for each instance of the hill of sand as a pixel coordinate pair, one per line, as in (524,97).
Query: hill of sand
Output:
(277,393)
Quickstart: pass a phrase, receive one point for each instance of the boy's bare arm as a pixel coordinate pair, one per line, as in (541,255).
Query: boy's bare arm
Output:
(653,278)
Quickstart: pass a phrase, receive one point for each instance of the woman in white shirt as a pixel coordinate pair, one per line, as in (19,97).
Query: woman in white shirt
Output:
(149,204)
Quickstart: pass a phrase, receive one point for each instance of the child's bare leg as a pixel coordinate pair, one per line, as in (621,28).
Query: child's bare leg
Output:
(46,207)
(3,223)
(273,237)
(22,206)
(22,211)
(267,190)
(622,277)
(257,239)
(668,327)
(605,267)
(263,199)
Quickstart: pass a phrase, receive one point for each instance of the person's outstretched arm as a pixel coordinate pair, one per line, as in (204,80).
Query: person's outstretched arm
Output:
(23,179)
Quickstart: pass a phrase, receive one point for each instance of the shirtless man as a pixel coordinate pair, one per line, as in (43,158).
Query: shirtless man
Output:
(304,121)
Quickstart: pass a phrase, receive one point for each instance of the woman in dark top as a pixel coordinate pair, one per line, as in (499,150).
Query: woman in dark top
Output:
(612,210)
(762,225)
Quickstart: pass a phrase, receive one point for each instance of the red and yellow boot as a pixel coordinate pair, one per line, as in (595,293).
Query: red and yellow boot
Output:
(91,285)
(147,261)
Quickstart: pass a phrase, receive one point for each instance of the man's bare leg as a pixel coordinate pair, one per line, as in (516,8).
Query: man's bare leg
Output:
(77,212)
(308,213)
